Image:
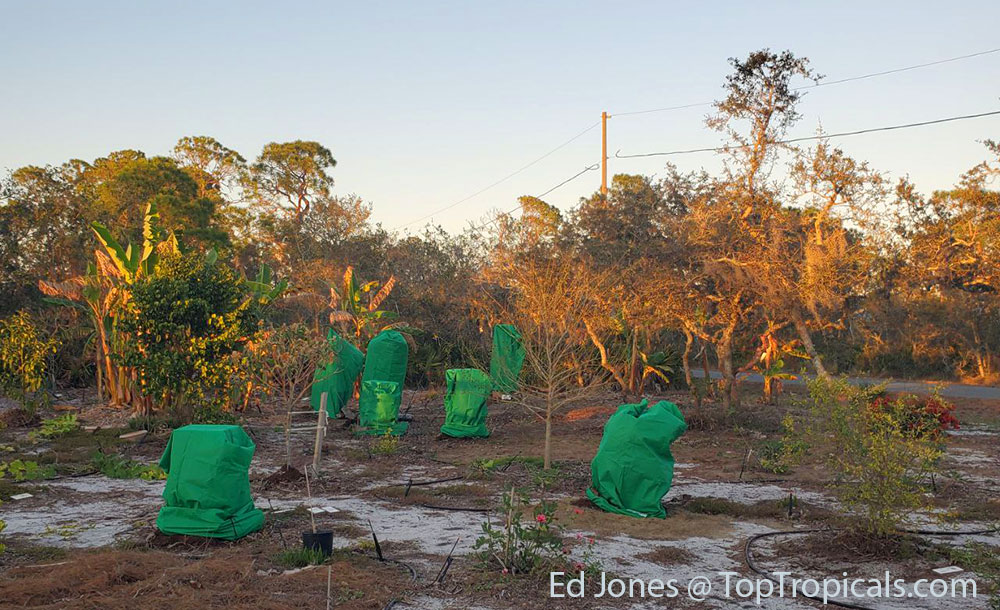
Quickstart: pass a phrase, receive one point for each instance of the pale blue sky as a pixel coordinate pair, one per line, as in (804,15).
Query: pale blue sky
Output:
(423,103)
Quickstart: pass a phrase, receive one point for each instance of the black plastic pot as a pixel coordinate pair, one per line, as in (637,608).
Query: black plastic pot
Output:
(319,541)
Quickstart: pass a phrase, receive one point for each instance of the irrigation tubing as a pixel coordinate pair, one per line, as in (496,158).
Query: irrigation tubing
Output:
(462,509)
(748,555)
(413,578)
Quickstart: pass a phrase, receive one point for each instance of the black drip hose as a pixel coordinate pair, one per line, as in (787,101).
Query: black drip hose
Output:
(463,509)
(748,555)
(413,578)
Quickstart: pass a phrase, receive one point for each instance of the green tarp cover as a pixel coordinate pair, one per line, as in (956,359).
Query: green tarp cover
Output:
(385,361)
(507,357)
(465,403)
(337,378)
(378,413)
(208,485)
(633,468)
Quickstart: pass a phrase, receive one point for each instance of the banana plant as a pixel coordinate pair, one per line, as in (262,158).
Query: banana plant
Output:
(101,291)
(265,286)
(363,320)
(131,262)
(659,364)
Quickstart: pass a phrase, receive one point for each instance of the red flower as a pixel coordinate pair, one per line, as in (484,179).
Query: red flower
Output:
(541,518)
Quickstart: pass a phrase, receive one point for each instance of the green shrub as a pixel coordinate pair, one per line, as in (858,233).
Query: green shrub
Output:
(519,544)
(187,324)
(880,460)
(24,355)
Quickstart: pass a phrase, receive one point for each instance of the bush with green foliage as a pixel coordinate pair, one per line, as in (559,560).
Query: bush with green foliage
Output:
(927,416)
(521,545)
(881,462)
(187,324)
(24,356)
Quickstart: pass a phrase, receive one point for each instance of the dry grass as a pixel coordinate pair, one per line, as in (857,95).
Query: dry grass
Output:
(227,579)
(582,515)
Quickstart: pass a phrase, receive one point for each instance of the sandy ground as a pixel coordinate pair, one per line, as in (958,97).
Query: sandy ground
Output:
(69,519)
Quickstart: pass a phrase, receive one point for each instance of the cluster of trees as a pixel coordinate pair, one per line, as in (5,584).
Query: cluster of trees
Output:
(789,256)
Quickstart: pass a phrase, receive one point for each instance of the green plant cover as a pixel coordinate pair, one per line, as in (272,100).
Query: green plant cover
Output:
(633,468)
(337,378)
(385,361)
(379,408)
(465,403)
(507,357)
(208,485)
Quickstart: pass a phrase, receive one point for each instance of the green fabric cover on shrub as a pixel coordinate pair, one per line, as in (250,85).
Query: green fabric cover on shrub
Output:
(507,357)
(386,360)
(379,408)
(633,468)
(337,378)
(465,403)
(208,485)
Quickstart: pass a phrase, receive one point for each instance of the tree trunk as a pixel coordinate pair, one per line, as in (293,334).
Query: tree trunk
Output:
(806,338)
(686,358)
(603,351)
(724,353)
(547,454)
(633,362)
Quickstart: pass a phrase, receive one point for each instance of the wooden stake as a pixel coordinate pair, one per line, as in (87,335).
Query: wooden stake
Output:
(312,517)
(604,155)
(320,432)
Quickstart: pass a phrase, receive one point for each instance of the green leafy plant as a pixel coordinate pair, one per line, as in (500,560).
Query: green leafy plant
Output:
(299,558)
(57,426)
(3,526)
(362,320)
(490,465)
(780,455)
(881,462)
(24,355)
(387,444)
(115,466)
(924,417)
(188,323)
(521,544)
(102,293)
(659,364)
(23,470)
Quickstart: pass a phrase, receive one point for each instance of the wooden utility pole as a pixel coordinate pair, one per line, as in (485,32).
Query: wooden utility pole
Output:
(604,155)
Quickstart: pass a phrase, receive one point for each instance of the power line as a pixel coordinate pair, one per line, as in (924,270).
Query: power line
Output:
(589,168)
(828,83)
(500,181)
(695,105)
(817,137)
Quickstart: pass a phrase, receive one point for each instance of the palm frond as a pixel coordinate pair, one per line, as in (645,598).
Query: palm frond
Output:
(382,294)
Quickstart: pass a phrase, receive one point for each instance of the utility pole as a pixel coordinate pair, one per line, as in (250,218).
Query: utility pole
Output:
(604,155)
